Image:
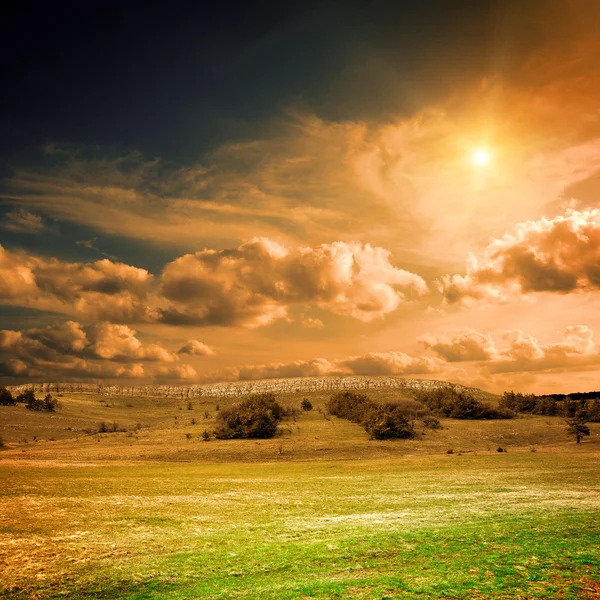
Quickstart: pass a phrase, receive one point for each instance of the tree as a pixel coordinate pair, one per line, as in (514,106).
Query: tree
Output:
(577,426)
(26,397)
(306,404)
(6,398)
(47,404)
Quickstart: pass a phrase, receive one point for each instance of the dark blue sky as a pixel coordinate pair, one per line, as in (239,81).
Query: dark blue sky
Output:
(173,81)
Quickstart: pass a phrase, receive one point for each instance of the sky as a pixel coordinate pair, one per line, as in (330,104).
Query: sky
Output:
(240,191)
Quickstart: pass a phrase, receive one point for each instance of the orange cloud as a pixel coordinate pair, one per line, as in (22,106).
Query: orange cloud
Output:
(256,283)
(372,363)
(68,350)
(196,348)
(560,255)
(103,290)
(464,346)
(174,373)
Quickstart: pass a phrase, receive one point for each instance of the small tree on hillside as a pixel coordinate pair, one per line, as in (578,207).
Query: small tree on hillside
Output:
(306,404)
(6,398)
(26,397)
(577,426)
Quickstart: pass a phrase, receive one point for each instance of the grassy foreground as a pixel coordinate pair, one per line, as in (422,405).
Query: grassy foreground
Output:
(520,525)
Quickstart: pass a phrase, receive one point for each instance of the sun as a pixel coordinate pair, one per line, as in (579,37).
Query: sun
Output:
(481,157)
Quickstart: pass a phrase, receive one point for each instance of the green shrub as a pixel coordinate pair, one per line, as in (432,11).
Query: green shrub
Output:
(255,417)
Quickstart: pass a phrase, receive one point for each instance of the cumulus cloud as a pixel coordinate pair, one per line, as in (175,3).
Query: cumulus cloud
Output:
(560,255)
(256,283)
(22,220)
(464,346)
(175,373)
(389,363)
(252,285)
(318,367)
(519,352)
(525,353)
(102,290)
(372,363)
(196,348)
(69,350)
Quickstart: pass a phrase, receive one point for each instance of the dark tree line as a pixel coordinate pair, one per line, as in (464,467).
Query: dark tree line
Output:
(28,398)
(447,402)
(555,405)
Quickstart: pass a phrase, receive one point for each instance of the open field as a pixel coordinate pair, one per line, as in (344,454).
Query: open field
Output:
(149,513)
(502,526)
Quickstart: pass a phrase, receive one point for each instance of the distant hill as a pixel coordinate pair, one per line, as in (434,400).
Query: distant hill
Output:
(240,388)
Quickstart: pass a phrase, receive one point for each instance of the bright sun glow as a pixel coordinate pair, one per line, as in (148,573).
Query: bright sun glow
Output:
(480,157)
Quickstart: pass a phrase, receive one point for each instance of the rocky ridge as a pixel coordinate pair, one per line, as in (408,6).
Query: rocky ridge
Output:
(241,388)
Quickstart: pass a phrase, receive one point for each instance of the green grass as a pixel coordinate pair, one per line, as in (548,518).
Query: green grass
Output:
(521,525)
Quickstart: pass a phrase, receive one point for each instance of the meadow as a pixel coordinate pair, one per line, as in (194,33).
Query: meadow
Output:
(319,511)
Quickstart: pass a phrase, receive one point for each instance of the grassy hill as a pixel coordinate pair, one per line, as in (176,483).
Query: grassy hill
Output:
(95,426)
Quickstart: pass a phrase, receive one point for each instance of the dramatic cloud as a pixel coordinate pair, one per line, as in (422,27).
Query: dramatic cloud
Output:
(560,255)
(373,363)
(256,283)
(102,290)
(464,346)
(22,220)
(196,348)
(252,285)
(103,350)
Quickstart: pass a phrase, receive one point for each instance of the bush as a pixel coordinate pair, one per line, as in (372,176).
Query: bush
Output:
(387,421)
(47,404)
(348,405)
(431,422)
(255,417)
(380,421)
(306,404)
(206,435)
(6,398)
